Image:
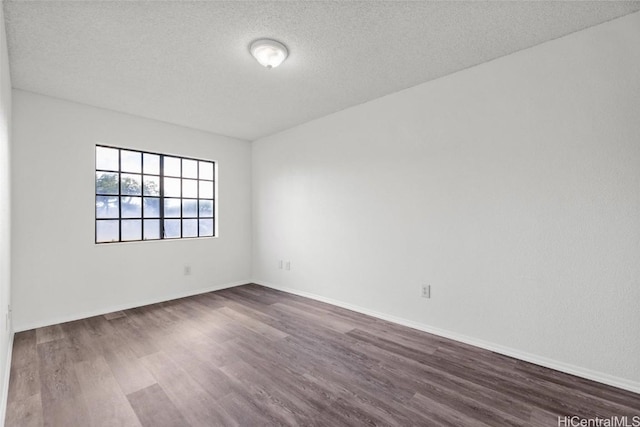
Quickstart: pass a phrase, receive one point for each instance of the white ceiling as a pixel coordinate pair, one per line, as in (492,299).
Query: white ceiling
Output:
(188,62)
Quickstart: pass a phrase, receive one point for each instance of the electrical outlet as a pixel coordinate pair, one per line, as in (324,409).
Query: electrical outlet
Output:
(287,266)
(187,270)
(425,291)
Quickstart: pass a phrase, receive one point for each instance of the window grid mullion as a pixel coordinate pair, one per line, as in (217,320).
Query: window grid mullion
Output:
(181,220)
(141,196)
(119,195)
(198,196)
(162,232)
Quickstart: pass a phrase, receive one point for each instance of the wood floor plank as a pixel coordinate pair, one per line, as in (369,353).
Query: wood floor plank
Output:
(24,349)
(391,346)
(207,375)
(126,367)
(542,418)
(252,324)
(256,294)
(286,408)
(469,406)
(24,379)
(421,376)
(107,404)
(82,344)
(336,377)
(136,338)
(63,403)
(205,319)
(252,356)
(244,411)
(155,409)
(184,336)
(128,370)
(443,414)
(49,333)
(606,393)
(542,395)
(327,322)
(25,412)
(24,382)
(195,404)
(211,300)
(57,378)
(355,368)
(115,315)
(290,376)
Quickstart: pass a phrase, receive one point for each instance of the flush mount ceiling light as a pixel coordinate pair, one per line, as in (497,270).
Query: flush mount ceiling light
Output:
(269,53)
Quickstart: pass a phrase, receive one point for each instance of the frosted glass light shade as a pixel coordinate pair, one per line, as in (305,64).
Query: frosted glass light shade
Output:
(269,53)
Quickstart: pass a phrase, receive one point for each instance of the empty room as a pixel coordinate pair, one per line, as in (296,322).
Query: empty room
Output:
(319,213)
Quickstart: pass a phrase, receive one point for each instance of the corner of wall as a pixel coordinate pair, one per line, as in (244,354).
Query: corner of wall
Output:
(6,334)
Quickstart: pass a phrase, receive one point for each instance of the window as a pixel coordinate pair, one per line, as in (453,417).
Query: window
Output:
(151,196)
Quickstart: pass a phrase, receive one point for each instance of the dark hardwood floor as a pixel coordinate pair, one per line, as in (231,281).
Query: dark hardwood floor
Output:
(252,356)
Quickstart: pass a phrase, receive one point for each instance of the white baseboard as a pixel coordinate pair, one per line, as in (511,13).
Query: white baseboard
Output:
(5,382)
(578,371)
(125,306)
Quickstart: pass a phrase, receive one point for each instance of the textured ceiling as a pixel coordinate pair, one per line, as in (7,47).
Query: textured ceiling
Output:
(188,63)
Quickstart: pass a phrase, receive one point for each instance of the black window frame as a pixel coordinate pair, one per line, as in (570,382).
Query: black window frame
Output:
(161,176)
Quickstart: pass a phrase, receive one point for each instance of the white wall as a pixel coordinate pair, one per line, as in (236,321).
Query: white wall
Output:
(5,208)
(513,188)
(59,273)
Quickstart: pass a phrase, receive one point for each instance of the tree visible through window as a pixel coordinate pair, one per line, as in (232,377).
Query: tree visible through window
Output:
(151,196)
